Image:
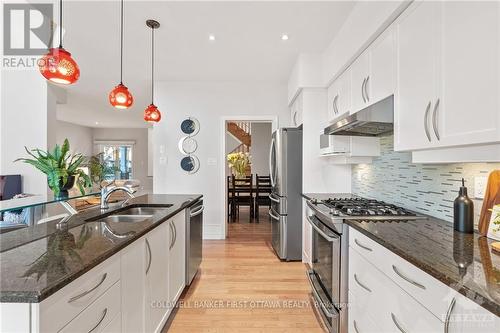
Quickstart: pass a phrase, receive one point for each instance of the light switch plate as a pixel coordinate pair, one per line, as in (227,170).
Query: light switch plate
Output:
(480,187)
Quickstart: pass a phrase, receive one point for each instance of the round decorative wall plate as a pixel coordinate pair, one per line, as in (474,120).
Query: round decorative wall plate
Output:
(190,164)
(190,126)
(187,145)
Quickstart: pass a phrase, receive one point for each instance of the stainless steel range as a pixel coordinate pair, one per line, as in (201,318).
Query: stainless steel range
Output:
(329,276)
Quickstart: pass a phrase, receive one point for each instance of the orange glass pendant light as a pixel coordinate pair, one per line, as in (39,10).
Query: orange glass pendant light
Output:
(57,65)
(120,97)
(152,114)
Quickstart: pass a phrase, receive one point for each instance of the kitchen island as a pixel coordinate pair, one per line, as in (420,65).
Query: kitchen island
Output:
(99,267)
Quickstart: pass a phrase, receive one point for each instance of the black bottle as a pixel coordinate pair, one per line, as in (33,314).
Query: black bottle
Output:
(463,211)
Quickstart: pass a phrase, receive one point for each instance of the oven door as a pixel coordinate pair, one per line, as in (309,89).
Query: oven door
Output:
(328,313)
(326,247)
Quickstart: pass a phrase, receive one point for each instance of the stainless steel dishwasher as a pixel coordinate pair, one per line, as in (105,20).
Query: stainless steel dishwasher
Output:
(194,235)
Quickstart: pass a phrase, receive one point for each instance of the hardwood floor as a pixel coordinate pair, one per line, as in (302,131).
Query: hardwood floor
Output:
(243,287)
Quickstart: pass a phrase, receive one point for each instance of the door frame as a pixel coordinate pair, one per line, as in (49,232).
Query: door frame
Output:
(254,119)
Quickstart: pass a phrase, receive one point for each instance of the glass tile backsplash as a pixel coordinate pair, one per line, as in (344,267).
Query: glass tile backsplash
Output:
(426,188)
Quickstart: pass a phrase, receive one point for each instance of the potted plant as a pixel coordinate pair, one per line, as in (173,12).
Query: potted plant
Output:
(100,169)
(61,168)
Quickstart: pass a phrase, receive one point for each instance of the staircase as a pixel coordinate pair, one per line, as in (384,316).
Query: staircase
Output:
(241,131)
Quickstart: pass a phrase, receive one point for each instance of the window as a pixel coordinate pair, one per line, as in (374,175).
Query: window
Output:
(119,157)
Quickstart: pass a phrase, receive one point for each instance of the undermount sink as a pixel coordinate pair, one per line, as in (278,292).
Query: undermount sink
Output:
(143,211)
(130,214)
(125,218)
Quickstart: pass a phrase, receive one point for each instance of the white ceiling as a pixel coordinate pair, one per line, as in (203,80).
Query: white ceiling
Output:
(248,47)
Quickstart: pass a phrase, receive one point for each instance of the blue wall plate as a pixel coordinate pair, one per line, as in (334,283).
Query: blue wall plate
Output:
(190,126)
(190,164)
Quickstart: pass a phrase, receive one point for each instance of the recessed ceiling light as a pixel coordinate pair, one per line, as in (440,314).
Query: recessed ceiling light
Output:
(284,37)
(211,37)
(97,123)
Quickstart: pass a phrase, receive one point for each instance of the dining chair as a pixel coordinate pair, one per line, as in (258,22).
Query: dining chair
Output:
(262,191)
(230,201)
(242,189)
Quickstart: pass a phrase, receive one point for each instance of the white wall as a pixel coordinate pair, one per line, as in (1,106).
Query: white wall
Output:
(25,110)
(80,137)
(139,151)
(319,174)
(261,139)
(210,102)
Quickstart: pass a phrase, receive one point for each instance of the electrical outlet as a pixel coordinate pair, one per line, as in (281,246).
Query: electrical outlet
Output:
(163,160)
(211,161)
(480,187)
(162,149)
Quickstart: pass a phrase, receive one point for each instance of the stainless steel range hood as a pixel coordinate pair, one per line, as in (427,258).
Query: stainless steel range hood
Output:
(375,120)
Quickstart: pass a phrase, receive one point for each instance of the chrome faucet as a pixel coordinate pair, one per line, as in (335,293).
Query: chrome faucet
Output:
(106,192)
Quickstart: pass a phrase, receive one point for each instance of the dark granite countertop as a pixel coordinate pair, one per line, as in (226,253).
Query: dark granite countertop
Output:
(464,262)
(37,261)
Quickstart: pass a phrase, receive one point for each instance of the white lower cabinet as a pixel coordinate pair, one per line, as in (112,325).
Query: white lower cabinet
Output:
(133,259)
(399,297)
(132,291)
(157,264)
(177,249)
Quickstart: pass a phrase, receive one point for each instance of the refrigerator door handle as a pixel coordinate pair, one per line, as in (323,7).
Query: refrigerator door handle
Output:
(272,164)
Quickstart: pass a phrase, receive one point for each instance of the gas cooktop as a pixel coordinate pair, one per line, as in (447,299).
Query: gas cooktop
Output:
(364,207)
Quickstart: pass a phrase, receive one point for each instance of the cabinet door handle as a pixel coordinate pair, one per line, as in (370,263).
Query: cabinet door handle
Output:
(361,285)
(335,106)
(396,270)
(171,235)
(366,88)
(396,322)
(74,298)
(448,315)
(355,326)
(150,255)
(435,120)
(100,320)
(426,121)
(362,246)
(363,90)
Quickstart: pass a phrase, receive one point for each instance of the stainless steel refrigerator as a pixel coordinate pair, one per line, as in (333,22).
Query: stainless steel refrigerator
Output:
(285,164)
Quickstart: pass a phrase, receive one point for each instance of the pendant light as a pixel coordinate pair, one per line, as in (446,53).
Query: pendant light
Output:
(152,114)
(57,65)
(120,97)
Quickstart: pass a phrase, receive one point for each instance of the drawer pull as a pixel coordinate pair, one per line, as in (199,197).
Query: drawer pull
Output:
(407,278)
(398,325)
(361,285)
(74,298)
(100,320)
(361,245)
(448,315)
(355,326)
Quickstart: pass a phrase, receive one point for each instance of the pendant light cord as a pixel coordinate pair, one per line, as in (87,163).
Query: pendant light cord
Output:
(60,24)
(121,43)
(152,64)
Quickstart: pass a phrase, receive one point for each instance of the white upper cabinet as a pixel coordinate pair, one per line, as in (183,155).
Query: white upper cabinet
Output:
(447,75)
(339,96)
(416,39)
(296,111)
(381,79)
(360,74)
(469,110)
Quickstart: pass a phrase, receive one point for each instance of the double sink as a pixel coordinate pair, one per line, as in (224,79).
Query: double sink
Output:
(131,214)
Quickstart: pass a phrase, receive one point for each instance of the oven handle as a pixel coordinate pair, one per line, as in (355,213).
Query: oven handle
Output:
(331,238)
(316,296)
